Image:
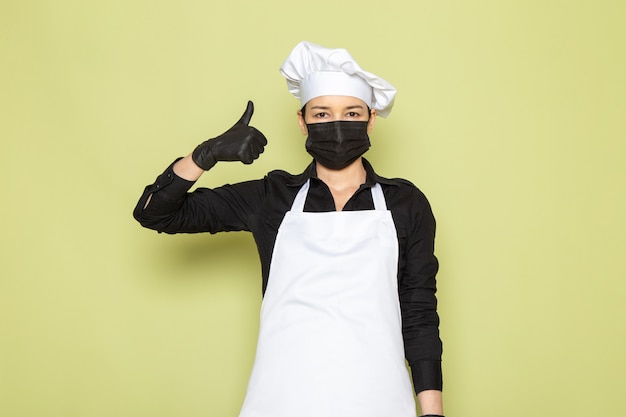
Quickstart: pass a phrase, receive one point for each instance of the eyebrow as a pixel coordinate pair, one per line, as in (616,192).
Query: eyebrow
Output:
(356,106)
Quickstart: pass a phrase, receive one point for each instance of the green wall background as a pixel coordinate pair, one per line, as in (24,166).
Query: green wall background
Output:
(510,117)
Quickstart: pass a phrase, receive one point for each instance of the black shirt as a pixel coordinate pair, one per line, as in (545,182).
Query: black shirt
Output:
(259,206)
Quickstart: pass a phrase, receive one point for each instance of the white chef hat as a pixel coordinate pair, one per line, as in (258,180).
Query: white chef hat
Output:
(312,71)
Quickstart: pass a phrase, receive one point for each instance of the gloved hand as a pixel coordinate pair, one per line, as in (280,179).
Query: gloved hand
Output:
(239,143)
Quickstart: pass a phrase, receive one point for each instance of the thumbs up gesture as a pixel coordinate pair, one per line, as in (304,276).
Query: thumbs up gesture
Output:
(239,143)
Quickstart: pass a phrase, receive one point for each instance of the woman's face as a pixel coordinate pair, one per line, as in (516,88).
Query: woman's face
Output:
(334,108)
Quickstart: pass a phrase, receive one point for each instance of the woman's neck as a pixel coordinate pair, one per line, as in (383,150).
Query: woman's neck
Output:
(351,176)
(343,183)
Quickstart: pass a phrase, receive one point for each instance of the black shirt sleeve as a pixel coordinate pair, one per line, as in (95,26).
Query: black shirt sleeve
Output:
(417,288)
(167,206)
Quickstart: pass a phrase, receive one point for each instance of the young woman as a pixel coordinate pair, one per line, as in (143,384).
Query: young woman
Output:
(347,256)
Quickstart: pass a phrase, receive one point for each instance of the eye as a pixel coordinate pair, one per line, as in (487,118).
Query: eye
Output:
(353,114)
(320,115)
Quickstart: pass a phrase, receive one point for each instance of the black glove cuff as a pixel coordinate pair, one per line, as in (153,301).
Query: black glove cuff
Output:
(203,157)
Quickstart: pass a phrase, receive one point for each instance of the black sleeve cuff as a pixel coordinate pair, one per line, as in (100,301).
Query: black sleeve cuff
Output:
(165,195)
(170,186)
(427,375)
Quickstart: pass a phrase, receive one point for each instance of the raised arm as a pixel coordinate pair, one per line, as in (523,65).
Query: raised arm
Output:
(166,196)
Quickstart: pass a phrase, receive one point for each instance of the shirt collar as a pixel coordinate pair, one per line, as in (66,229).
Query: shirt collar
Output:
(371,178)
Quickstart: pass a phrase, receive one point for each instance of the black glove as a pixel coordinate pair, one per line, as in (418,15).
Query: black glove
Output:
(239,143)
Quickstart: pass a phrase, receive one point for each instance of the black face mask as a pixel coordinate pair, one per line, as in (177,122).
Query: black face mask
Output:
(337,144)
